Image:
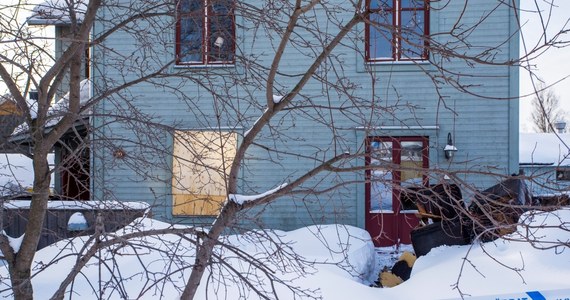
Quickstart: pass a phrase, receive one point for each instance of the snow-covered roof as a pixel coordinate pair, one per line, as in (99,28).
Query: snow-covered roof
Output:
(544,149)
(4,99)
(59,108)
(56,12)
(88,205)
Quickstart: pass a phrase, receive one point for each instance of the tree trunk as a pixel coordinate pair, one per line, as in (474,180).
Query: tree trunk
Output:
(20,274)
(205,249)
(22,285)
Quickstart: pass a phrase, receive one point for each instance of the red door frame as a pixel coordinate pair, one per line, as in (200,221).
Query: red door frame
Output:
(393,228)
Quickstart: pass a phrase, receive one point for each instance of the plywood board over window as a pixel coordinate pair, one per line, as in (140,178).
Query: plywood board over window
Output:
(201,162)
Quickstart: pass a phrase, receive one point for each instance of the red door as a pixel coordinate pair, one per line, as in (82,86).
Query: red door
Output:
(395,165)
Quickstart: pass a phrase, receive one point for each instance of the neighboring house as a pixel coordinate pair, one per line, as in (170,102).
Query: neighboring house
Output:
(126,161)
(71,155)
(49,13)
(10,117)
(545,159)
(16,171)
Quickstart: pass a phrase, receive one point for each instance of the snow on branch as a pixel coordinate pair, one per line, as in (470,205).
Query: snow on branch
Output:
(247,131)
(15,243)
(277,99)
(241,199)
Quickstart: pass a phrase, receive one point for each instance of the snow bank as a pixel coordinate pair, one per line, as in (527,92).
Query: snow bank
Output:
(507,265)
(300,258)
(329,261)
(16,168)
(344,246)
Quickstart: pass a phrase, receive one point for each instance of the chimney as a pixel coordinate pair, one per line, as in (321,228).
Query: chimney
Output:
(560,126)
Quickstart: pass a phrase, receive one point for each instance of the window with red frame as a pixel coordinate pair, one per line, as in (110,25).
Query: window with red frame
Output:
(397,30)
(205,32)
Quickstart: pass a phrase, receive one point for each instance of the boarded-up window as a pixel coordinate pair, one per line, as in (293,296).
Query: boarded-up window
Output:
(201,161)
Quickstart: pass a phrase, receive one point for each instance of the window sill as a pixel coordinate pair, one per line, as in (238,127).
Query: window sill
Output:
(208,66)
(409,211)
(219,69)
(398,62)
(397,66)
(381,211)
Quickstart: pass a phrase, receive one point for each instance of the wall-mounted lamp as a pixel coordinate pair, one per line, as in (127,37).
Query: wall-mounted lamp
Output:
(449,149)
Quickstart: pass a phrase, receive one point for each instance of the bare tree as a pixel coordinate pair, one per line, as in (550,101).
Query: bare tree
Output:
(546,110)
(266,98)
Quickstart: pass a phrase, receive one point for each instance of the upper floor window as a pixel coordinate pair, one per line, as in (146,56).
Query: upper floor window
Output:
(397,29)
(205,32)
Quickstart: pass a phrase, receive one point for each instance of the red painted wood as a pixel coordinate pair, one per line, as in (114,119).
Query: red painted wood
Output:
(387,229)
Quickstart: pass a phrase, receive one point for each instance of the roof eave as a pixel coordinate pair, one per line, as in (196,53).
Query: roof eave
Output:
(48,22)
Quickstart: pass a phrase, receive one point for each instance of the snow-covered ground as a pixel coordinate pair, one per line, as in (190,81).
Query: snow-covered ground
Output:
(16,168)
(17,172)
(339,263)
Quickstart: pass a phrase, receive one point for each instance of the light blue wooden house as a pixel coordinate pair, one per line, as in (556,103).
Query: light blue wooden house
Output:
(402,103)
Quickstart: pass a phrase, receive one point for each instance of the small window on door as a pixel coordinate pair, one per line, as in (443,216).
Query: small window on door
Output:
(381,179)
(412,177)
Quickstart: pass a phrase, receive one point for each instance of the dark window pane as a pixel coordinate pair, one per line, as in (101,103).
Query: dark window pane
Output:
(381,4)
(381,179)
(412,3)
(221,31)
(412,34)
(397,29)
(221,7)
(191,30)
(381,37)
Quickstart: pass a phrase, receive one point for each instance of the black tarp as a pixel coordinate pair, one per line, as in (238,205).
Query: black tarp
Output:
(491,213)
